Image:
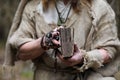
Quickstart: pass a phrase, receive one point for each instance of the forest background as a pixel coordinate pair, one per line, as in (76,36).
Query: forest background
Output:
(7,11)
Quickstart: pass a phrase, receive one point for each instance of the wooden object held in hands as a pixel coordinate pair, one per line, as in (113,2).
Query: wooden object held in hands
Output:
(67,42)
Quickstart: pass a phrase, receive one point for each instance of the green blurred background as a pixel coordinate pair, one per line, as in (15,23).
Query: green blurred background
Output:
(7,11)
(23,70)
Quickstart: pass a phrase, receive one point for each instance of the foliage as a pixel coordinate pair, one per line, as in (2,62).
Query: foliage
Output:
(7,11)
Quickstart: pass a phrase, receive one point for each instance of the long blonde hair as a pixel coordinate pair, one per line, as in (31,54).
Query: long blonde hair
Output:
(75,4)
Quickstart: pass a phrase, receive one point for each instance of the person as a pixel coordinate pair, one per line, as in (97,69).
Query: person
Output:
(95,39)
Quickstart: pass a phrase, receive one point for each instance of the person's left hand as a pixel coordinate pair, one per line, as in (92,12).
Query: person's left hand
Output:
(75,59)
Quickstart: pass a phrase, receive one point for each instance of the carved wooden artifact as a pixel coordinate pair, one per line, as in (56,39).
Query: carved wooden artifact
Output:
(67,41)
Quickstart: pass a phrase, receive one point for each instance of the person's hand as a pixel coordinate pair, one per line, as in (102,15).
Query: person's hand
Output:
(75,59)
(51,39)
(56,36)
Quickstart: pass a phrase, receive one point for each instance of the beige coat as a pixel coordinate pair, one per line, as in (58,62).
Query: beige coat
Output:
(94,27)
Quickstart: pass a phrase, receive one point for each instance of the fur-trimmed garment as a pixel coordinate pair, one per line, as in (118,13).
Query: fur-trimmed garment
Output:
(94,28)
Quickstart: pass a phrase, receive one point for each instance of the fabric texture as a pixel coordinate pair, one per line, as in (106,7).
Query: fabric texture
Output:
(94,28)
(9,51)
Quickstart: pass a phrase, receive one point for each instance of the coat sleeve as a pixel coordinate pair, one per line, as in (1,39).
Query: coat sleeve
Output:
(9,59)
(26,30)
(105,37)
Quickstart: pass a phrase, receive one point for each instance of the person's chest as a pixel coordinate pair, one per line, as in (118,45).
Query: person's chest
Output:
(82,22)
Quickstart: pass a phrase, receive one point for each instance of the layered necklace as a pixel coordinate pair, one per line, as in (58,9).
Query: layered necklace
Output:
(64,13)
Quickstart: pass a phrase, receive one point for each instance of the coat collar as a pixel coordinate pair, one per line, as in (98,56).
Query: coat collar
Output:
(74,16)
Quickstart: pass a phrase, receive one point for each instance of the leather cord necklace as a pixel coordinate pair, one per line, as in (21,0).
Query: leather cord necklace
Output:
(62,20)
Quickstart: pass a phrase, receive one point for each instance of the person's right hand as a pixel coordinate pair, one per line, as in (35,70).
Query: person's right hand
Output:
(51,39)
(56,36)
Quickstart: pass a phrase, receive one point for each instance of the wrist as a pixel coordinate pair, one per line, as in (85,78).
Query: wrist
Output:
(105,55)
(43,44)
